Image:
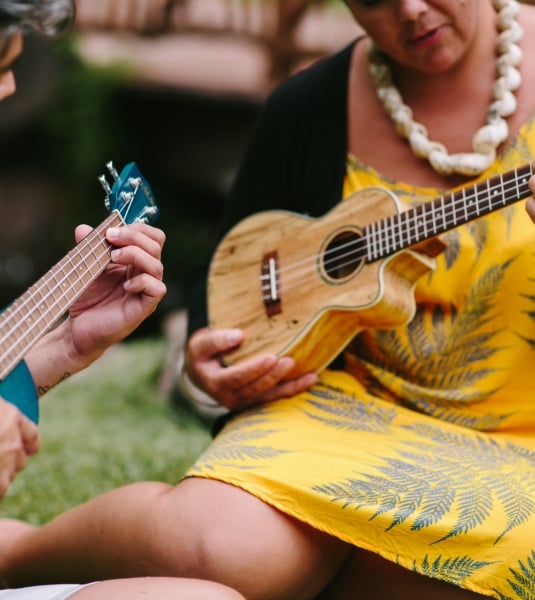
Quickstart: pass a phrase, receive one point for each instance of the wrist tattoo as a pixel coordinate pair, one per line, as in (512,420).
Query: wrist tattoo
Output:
(43,389)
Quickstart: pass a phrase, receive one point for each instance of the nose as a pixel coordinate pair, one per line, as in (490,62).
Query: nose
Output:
(410,10)
(7,85)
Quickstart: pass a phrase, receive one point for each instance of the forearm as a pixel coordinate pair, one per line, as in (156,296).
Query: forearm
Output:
(54,359)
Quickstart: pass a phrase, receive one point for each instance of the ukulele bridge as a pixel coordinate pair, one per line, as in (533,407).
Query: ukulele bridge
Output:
(270,282)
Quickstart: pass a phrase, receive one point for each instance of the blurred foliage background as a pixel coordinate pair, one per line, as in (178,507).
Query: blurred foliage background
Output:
(122,91)
(174,85)
(103,428)
(50,163)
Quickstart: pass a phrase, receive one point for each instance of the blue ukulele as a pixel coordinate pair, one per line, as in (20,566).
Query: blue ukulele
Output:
(28,318)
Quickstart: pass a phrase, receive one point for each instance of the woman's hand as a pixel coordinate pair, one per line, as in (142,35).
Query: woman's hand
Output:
(239,386)
(19,439)
(124,295)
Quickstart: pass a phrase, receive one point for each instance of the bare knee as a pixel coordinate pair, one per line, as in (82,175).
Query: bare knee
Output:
(229,536)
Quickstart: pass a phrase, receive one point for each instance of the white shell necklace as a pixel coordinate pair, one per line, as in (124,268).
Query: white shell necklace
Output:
(488,137)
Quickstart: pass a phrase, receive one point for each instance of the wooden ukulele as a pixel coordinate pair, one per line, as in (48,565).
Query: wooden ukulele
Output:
(28,318)
(303,287)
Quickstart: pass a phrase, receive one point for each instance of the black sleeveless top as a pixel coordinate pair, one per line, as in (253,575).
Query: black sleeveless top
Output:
(296,157)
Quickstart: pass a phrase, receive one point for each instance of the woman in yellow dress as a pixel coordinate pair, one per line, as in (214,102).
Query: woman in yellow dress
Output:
(407,467)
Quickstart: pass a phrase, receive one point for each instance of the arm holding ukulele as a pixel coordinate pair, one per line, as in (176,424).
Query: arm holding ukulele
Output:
(109,283)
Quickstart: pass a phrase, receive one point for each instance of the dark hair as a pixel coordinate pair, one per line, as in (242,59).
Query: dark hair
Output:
(49,17)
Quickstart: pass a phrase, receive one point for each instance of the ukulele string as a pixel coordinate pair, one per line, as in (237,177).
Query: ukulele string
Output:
(456,207)
(37,297)
(17,310)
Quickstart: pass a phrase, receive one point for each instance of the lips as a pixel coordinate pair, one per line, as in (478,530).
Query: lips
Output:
(430,36)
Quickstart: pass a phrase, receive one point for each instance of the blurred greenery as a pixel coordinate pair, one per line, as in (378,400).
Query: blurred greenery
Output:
(80,120)
(187,147)
(103,428)
(110,425)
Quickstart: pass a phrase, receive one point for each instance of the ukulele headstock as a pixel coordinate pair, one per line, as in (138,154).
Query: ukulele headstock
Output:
(130,194)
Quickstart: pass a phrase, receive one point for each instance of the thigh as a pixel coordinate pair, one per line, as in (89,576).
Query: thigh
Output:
(239,540)
(155,588)
(200,528)
(367,575)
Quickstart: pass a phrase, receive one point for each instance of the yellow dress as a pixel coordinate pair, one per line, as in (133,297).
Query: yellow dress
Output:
(423,448)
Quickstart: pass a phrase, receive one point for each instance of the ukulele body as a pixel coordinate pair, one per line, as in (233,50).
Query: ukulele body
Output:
(296,287)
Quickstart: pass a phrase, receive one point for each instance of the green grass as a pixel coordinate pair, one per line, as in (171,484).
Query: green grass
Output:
(106,427)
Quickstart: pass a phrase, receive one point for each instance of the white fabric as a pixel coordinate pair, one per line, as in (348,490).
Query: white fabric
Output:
(41,592)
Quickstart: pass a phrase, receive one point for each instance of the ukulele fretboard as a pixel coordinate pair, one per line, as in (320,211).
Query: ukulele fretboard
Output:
(427,220)
(45,302)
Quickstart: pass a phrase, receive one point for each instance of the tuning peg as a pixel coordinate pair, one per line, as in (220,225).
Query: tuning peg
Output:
(147,214)
(127,197)
(112,170)
(134,183)
(105,185)
(107,189)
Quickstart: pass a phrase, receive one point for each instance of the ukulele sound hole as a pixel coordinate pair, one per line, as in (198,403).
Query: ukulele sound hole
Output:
(343,256)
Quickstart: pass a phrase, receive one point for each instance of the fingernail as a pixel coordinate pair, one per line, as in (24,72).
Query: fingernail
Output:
(115,254)
(113,232)
(287,362)
(234,337)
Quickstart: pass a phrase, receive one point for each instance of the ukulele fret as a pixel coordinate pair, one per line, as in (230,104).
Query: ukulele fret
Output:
(372,237)
(424,222)
(396,238)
